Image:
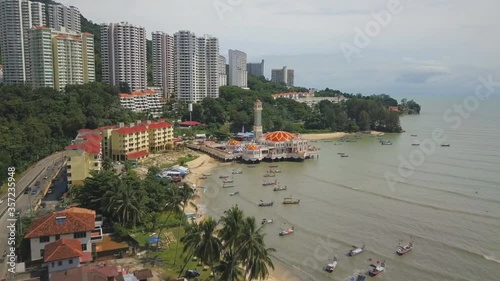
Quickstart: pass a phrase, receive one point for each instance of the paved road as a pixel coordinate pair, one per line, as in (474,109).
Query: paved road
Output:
(43,171)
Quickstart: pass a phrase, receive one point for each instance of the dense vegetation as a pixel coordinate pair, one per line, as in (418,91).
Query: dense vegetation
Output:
(35,123)
(233,251)
(234,110)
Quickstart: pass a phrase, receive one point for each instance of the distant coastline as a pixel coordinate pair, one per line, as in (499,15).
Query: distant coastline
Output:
(329,136)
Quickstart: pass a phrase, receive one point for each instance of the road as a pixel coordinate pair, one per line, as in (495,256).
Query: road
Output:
(43,171)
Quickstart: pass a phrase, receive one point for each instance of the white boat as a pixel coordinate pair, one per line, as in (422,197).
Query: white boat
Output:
(330,267)
(404,249)
(376,269)
(356,251)
(234,193)
(267,221)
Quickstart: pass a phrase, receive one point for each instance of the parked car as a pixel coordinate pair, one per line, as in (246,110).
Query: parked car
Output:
(49,191)
(34,192)
(192,274)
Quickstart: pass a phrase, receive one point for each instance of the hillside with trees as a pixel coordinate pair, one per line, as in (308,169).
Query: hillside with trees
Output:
(35,123)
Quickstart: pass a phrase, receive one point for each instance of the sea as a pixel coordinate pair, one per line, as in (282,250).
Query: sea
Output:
(444,199)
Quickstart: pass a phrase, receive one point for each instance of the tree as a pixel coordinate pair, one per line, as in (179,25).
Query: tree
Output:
(124,87)
(209,247)
(364,121)
(186,193)
(125,204)
(107,164)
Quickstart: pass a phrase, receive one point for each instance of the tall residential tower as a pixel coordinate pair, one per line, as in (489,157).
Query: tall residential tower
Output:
(60,16)
(284,75)
(123,48)
(17,17)
(163,62)
(237,68)
(256,69)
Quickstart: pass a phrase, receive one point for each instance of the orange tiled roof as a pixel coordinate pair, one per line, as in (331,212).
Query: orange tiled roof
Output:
(251,147)
(138,154)
(62,249)
(280,136)
(76,221)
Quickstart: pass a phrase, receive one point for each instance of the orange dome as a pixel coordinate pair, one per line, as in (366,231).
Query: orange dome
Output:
(280,136)
(251,147)
(234,142)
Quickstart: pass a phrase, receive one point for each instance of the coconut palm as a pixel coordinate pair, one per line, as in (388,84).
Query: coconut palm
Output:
(107,164)
(186,193)
(124,203)
(191,239)
(233,222)
(210,246)
(173,206)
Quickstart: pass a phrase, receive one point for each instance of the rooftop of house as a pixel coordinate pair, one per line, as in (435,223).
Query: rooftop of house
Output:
(86,273)
(63,249)
(72,220)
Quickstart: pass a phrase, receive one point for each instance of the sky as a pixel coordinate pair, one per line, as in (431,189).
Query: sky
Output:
(398,47)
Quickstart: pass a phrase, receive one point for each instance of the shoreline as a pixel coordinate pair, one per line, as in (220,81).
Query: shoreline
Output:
(333,135)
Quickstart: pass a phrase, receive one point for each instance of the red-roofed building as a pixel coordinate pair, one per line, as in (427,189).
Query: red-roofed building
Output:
(84,156)
(144,101)
(65,254)
(394,108)
(74,224)
(88,273)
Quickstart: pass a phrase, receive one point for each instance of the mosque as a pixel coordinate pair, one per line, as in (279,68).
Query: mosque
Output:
(272,146)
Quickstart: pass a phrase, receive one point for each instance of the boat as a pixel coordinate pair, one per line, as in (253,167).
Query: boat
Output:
(274,171)
(413,135)
(415,144)
(251,166)
(386,142)
(356,251)
(237,172)
(341,153)
(207,175)
(223,177)
(376,269)
(381,134)
(269,183)
(234,193)
(286,232)
(344,155)
(404,249)
(290,201)
(203,177)
(279,188)
(269,175)
(228,181)
(273,166)
(266,221)
(330,267)
(361,278)
(228,185)
(266,204)
(445,145)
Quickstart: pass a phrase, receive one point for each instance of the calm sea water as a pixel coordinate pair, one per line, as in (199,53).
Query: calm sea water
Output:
(449,206)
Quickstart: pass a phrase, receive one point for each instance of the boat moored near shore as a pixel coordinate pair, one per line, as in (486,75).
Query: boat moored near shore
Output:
(330,267)
(404,249)
(376,269)
(356,251)
(287,231)
(290,201)
(266,204)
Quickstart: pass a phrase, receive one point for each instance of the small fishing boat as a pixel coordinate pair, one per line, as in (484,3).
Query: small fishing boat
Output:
(290,201)
(386,142)
(330,267)
(207,175)
(344,155)
(269,183)
(404,249)
(234,193)
(228,181)
(445,145)
(266,204)
(228,185)
(280,188)
(269,175)
(286,232)
(223,177)
(356,251)
(341,153)
(361,278)
(415,144)
(267,221)
(413,135)
(376,269)
(274,171)
(237,172)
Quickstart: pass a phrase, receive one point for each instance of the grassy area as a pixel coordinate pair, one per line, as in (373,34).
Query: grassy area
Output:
(166,253)
(181,161)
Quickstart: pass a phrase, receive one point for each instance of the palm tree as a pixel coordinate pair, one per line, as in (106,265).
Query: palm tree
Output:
(252,250)
(232,221)
(123,201)
(107,164)
(186,193)
(173,206)
(191,239)
(210,245)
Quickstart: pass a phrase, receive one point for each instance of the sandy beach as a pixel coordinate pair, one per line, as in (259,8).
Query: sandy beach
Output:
(329,136)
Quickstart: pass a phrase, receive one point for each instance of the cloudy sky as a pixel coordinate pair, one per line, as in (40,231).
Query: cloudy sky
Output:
(415,47)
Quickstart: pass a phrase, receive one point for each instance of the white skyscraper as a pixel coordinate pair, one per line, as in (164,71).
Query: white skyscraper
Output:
(17,17)
(237,68)
(60,16)
(163,62)
(222,71)
(196,66)
(123,49)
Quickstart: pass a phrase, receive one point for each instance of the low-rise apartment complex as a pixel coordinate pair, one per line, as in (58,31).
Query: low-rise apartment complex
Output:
(308,98)
(84,155)
(144,101)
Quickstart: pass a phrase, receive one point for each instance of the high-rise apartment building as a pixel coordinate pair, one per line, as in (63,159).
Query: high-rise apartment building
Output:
(163,62)
(1,73)
(237,68)
(123,50)
(284,75)
(60,16)
(17,17)
(61,58)
(196,66)
(256,69)
(222,71)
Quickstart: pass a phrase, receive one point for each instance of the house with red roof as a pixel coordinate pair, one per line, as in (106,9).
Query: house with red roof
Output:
(74,224)
(65,253)
(88,273)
